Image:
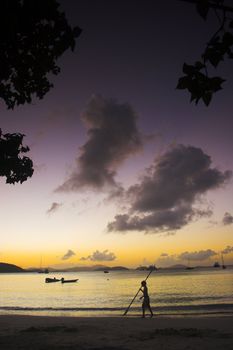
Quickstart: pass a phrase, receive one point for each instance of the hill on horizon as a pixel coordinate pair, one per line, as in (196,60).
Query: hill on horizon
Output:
(6,268)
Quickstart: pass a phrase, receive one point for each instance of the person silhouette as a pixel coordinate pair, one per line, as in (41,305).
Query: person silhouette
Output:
(146,299)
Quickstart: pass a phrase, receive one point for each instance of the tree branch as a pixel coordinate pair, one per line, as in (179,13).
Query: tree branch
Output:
(212,5)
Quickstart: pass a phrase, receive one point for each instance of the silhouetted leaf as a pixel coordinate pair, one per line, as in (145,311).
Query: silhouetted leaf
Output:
(207,98)
(213,56)
(199,65)
(203,8)
(77,31)
(14,167)
(188,69)
(183,83)
(215,83)
(227,39)
(33,35)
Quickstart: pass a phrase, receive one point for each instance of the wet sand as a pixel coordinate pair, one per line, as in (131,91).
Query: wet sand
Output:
(116,333)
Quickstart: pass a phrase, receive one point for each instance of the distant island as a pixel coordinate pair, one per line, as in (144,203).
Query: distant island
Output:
(146,268)
(80,269)
(7,268)
(10,268)
(91,268)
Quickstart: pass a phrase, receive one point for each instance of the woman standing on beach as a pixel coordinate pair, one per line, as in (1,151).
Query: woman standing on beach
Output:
(146,299)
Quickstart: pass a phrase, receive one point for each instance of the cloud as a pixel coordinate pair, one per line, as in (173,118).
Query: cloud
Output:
(100,256)
(68,255)
(227,250)
(197,255)
(168,260)
(54,207)
(112,137)
(165,198)
(227,219)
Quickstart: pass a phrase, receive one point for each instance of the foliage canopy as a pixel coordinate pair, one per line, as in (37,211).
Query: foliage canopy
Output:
(33,35)
(197,79)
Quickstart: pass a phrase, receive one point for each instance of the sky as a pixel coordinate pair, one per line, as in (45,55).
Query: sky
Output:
(127,170)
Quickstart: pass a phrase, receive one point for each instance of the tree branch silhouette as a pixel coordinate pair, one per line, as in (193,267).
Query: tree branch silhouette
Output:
(33,35)
(197,79)
(12,165)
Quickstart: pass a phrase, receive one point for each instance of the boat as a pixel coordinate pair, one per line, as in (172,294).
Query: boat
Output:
(216,264)
(189,267)
(43,271)
(106,271)
(68,281)
(223,265)
(52,280)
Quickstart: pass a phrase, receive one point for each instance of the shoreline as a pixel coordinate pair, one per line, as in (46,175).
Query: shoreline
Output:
(107,315)
(132,315)
(116,333)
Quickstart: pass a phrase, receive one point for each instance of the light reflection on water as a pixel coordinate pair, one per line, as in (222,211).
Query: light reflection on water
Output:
(96,293)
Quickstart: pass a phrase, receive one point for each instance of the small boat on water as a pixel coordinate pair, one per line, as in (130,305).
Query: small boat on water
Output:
(51,280)
(68,281)
(216,264)
(43,271)
(106,271)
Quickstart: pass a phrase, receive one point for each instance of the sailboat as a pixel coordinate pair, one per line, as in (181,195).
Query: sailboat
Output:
(42,270)
(223,265)
(189,267)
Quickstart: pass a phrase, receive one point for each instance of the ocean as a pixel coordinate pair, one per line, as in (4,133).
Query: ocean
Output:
(172,292)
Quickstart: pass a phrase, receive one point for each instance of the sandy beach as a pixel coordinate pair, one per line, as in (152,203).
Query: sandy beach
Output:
(116,333)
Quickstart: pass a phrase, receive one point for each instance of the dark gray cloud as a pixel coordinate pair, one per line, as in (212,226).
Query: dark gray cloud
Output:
(227,250)
(112,137)
(54,207)
(197,255)
(68,255)
(227,219)
(165,198)
(100,256)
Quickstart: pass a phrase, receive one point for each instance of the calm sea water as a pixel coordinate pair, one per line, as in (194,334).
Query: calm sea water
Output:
(195,291)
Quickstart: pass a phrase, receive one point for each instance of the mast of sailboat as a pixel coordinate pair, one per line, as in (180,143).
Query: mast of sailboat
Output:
(223,265)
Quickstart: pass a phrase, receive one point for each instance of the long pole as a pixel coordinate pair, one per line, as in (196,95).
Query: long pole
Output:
(126,311)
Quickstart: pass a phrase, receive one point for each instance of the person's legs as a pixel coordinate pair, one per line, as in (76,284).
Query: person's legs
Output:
(143,310)
(151,312)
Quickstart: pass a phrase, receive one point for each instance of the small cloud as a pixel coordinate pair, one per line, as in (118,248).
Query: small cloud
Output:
(100,256)
(164,254)
(166,260)
(197,255)
(227,250)
(54,207)
(146,262)
(68,255)
(227,219)
(112,138)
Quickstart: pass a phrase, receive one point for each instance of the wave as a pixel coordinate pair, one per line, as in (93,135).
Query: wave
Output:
(176,299)
(208,308)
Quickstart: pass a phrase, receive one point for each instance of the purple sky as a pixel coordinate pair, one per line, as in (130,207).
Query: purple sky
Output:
(131,51)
